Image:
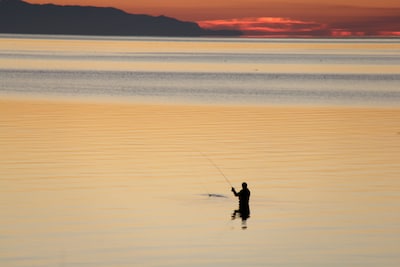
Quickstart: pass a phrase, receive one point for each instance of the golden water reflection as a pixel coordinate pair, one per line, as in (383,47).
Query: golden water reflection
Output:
(140,54)
(104,184)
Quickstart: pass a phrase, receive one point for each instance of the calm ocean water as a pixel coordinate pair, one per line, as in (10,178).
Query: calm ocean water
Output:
(106,146)
(339,72)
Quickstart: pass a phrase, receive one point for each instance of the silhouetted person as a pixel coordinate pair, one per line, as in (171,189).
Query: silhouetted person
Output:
(244,208)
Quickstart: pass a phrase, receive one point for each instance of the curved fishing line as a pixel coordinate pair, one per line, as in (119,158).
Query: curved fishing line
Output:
(216,166)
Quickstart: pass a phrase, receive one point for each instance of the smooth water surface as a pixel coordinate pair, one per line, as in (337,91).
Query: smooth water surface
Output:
(235,71)
(105,155)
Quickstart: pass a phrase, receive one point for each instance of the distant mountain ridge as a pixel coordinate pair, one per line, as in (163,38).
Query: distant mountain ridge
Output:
(17,16)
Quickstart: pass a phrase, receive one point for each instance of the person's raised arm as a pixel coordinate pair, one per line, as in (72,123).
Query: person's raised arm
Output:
(234,191)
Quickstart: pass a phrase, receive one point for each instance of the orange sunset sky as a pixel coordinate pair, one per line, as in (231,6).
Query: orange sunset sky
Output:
(287,18)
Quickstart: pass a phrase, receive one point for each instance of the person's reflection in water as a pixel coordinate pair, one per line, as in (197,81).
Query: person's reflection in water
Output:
(244,208)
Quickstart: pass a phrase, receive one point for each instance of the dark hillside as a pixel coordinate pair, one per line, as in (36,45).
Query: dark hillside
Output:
(17,16)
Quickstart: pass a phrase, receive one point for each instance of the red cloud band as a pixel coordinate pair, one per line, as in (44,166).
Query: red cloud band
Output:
(286,27)
(266,26)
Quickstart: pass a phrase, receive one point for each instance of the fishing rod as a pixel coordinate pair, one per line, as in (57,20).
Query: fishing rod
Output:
(216,166)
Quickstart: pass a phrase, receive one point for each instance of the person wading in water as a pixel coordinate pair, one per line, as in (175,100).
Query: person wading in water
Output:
(244,208)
